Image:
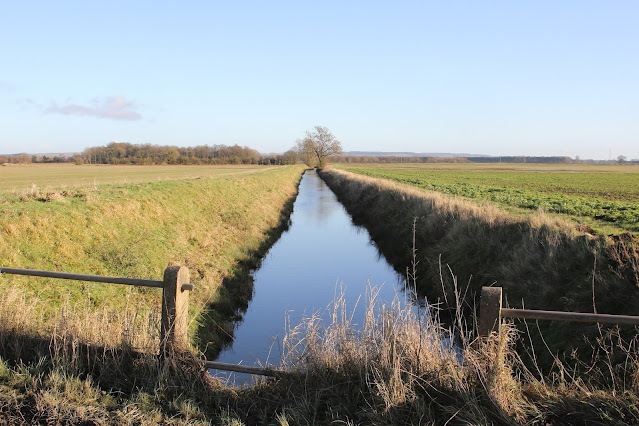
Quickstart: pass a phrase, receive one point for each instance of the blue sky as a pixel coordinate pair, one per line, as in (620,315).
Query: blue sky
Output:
(490,77)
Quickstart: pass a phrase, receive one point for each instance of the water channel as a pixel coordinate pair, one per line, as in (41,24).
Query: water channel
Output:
(321,254)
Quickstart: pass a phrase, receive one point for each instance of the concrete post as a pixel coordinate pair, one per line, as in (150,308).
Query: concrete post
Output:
(175,309)
(489,311)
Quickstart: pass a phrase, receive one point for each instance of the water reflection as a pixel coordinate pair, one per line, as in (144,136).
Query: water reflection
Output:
(322,253)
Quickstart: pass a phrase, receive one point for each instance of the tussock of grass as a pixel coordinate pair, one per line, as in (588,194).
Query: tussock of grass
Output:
(84,369)
(399,368)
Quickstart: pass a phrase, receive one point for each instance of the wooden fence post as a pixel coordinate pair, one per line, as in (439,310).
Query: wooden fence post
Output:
(175,309)
(489,311)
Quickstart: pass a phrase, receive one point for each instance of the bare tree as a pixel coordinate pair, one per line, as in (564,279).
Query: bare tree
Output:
(305,152)
(317,146)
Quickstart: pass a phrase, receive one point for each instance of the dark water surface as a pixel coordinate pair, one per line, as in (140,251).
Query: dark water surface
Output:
(322,253)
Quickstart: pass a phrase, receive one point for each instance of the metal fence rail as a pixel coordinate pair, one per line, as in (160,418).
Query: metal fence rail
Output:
(491,312)
(569,316)
(82,277)
(243,369)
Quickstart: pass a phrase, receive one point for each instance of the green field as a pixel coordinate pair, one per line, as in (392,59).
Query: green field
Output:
(22,178)
(603,197)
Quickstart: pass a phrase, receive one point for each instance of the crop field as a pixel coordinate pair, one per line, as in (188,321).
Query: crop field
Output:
(603,197)
(20,178)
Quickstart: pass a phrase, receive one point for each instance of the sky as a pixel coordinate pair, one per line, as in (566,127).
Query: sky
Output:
(480,77)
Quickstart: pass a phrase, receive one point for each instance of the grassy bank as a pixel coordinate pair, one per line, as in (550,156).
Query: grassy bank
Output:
(213,225)
(541,262)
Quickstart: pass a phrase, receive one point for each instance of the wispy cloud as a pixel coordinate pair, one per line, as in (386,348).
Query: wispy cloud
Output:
(114,108)
(6,87)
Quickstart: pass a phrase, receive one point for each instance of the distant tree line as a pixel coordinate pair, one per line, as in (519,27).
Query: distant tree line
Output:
(40,158)
(394,159)
(509,159)
(126,153)
(522,159)
(316,149)
(549,160)
(15,159)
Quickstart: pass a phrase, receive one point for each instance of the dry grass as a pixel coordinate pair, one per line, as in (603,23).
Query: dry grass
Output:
(541,262)
(485,245)
(90,366)
(454,207)
(399,367)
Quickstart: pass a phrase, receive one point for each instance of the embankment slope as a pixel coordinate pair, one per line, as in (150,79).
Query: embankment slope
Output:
(541,263)
(210,225)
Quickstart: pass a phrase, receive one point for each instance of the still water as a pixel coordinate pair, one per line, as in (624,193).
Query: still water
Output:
(322,254)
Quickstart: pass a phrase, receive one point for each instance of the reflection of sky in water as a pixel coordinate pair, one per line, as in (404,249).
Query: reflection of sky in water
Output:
(321,253)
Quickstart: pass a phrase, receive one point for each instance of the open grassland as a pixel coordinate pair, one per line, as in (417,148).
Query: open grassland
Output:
(605,198)
(26,178)
(212,225)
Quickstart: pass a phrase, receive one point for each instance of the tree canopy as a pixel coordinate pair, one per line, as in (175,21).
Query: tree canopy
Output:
(317,146)
(126,153)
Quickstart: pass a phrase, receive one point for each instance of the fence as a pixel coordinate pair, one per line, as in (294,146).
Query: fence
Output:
(491,312)
(175,307)
(175,299)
